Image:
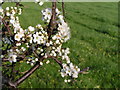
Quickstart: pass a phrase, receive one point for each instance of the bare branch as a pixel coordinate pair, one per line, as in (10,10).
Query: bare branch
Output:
(59,62)
(25,76)
(8,28)
(52,24)
(84,70)
(63,10)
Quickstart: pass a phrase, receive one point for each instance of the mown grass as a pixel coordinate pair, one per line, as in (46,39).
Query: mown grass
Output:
(94,44)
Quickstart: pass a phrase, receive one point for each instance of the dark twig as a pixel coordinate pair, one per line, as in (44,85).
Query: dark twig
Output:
(59,62)
(84,70)
(52,24)
(19,4)
(29,72)
(7,26)
(25,76)
(63,10)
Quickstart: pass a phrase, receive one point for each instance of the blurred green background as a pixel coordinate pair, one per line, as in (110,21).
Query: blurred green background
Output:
(93,43)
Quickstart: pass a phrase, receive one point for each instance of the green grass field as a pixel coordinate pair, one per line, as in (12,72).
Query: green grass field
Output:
(93,43)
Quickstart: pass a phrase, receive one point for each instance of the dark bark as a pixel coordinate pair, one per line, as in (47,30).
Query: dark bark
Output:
(28,73)
(25,76)
(59,62)
(6,26)
(52,24)
(19,4)
(84,70)
(63,10)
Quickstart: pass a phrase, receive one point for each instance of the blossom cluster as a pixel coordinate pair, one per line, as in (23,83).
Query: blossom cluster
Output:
(34,40)
(70,69)
(63,29)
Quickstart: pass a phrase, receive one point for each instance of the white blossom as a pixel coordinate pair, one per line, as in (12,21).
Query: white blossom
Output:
(7,8)
(2,56)
(32,64)
(15,8)
(7,13)
(47,44)
(70,69)
(17,50)
(41,50)
(41,63)
(42,54)
(57,11)
(47,62)
(36,59)
(36,1)
(18,44)
(57,42)
(30,38)
(23,49)
(39,26)
(17,36)
(20,11)
(69,80)
(28,62)
(21,31)
(30,28)
(12,57)
(65,81)
(47,13)
(37,38)
(75,75)
(41,3)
